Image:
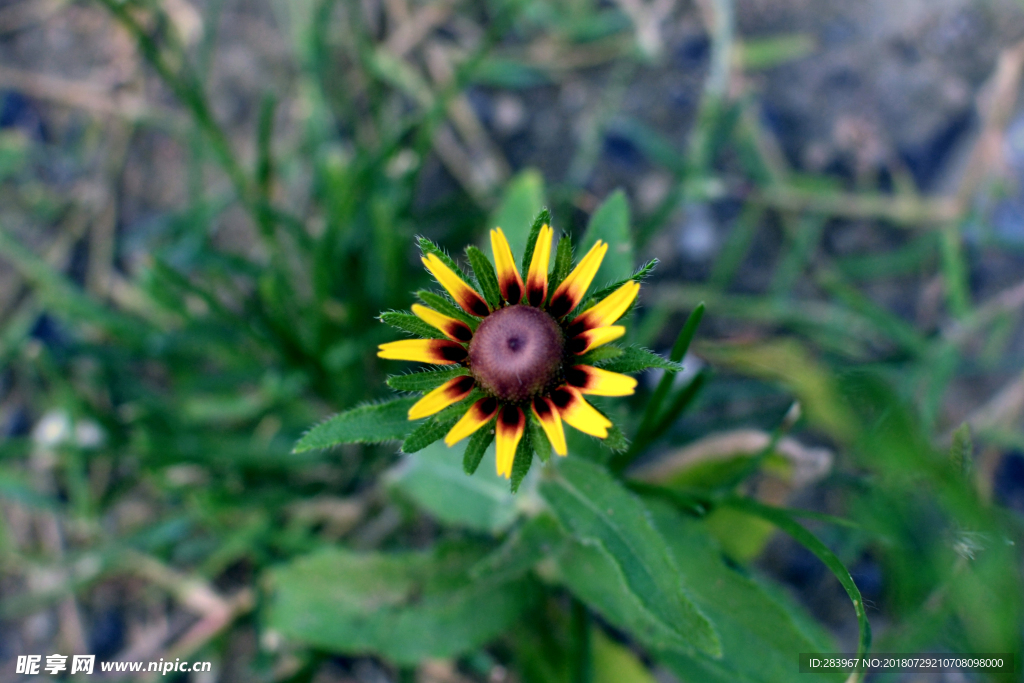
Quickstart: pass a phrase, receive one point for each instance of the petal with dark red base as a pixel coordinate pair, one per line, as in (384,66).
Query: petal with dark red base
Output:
(476,417)
(607,311)
(591,380)
(575,410)
(456,330)
(509,282)
(463,294)
(547,414)
(571,291)
(591,339)
(537,275)
(438,351)
(452,391)
(508,432)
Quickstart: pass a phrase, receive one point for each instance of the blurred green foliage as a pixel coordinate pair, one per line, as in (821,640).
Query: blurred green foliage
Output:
(209,366)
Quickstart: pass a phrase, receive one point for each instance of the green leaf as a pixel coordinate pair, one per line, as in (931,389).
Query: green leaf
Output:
(435,481)
(536,539)
(442,304)
(543,218)
(680,402)
(686,334)
(597,511)
(563,263)
(523,199)
(541,445)
(961,452)
(639,275)
(616,441)
(429,432)
(369,423)
(656,419)
(955,271)
(485,275)
(264,139)
(761,632)
(411,324)
(593,576)
(405,606)
(522,460)
(424,381)
(601,353)
(782,519)
(610,223)
(477,446)
(636,358)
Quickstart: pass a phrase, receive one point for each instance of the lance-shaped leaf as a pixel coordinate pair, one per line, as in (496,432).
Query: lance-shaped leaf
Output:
(430,431)
(760,629)
(593,576)
(434,480)
(523,199)
(636,359)
(537,539)
(370,423)
(961,452)
(639,275)
(424,381)
(598,512)
(523,458)
(485,275)
(477,447)
(405,606)
(411,324)
(563,262)
(600,356)
(610,223)
(539,221)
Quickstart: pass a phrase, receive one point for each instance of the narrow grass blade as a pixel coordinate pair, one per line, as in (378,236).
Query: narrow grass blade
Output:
(785,522)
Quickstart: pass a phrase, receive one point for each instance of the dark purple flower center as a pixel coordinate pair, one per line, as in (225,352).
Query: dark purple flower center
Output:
(516,352)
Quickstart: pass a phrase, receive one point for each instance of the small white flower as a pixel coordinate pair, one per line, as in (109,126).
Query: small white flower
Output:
(53,429)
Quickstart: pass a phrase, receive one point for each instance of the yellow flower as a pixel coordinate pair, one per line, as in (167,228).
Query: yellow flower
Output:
(521,354)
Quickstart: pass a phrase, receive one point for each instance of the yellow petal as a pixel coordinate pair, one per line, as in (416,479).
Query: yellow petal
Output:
(439,351)
(456,330)
(591,380)
(463,294)
(575,410)
(509,282)
(476,417)
(450,392)
(546,413)
(607,311)
(571,291)
(508,432)
(591,339)
(537,276)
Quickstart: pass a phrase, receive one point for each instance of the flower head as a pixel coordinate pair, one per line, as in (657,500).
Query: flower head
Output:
(515,345)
